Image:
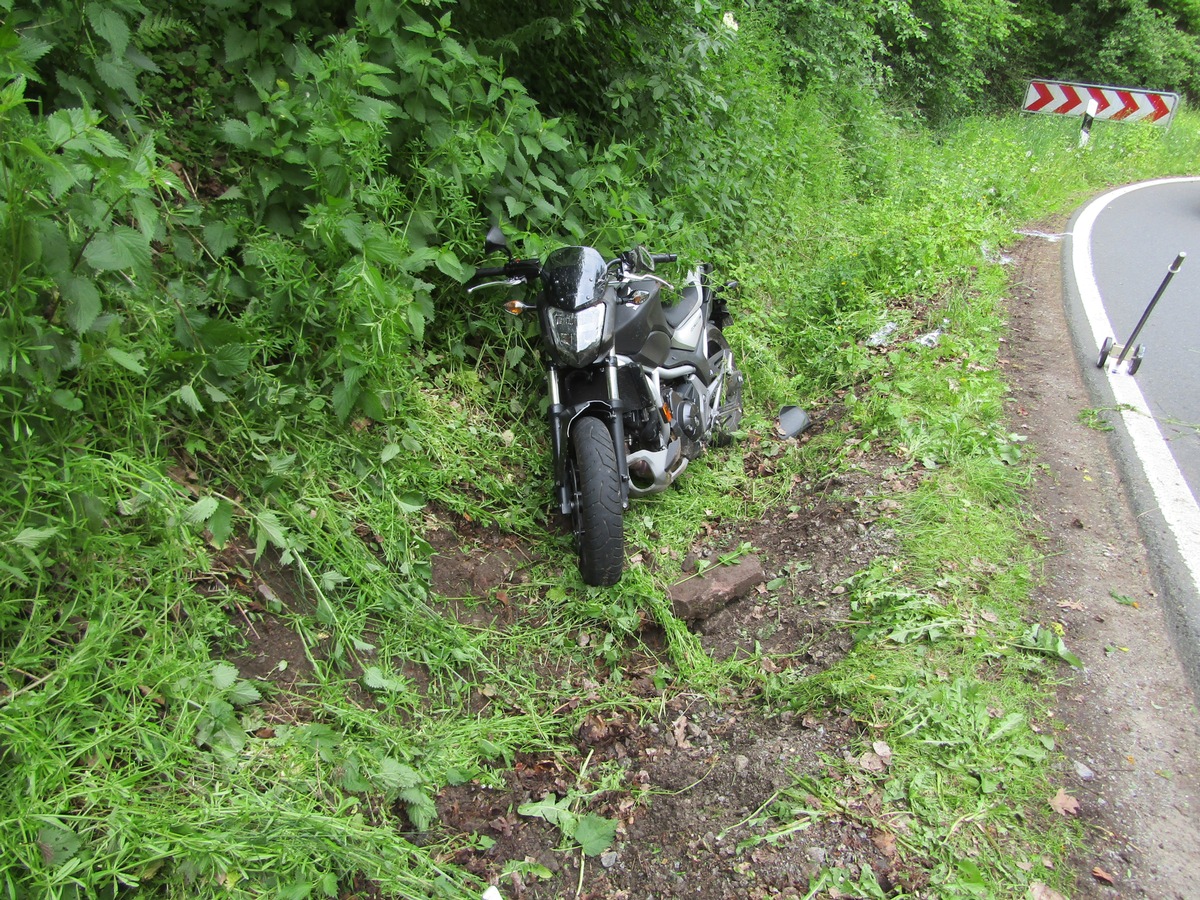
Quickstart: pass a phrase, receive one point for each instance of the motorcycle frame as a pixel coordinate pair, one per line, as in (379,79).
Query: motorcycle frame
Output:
(610,408)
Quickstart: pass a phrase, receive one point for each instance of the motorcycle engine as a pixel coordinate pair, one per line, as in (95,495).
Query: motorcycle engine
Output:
(687,420)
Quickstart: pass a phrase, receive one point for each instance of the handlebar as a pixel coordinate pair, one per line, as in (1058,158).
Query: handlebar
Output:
(664,257)
(515,268)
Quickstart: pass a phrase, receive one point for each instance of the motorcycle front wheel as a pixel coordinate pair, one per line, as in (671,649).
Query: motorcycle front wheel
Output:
(596,515)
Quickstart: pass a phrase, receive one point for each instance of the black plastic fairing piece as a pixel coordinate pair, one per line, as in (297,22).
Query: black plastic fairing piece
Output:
(792,422)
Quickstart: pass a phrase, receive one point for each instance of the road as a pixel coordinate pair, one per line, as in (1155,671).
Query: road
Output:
(1119,249)
(1134,240)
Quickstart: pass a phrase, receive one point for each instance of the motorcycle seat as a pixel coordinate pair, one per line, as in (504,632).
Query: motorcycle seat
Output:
(676,314)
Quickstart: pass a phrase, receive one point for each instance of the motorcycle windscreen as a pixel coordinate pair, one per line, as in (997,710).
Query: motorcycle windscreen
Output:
(574,277)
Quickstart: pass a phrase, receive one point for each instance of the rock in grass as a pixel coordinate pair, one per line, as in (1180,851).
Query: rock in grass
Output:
(699,596)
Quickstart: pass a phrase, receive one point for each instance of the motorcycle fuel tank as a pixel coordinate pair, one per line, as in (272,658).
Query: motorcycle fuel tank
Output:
(642,330)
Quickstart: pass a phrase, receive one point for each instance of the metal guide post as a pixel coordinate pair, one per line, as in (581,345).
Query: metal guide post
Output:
(1110,345)
(1089,116)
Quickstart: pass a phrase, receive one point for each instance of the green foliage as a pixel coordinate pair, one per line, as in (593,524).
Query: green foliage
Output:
(236,358)
(71,189)
(941,56)
(633,65)
(831,41)
(594,834)
(1134,44)
(947,57)
(958,53)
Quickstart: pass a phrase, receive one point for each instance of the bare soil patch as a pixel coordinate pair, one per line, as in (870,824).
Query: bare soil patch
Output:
(705,778)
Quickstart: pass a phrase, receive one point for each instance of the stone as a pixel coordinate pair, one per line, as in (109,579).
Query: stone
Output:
(701,596)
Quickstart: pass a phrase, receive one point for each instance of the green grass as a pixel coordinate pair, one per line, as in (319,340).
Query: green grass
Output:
(136,755)
(935,675)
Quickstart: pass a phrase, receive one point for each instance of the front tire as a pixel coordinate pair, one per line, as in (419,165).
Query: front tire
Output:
(597,515)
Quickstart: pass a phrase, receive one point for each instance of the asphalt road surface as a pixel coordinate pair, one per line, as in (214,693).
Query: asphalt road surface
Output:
(1120,249)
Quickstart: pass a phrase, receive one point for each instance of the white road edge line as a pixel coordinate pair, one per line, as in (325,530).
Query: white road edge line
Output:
(1171,491)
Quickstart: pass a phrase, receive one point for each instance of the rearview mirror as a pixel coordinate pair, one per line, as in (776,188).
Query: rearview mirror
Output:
(496,240)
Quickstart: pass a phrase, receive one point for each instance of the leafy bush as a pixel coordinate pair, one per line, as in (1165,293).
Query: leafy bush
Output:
(1134,44)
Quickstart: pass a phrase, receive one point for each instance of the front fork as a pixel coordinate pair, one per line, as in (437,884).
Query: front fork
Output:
(561,416)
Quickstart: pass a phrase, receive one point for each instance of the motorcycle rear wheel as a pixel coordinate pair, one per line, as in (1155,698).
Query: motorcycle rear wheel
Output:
(728,412)
(597,515)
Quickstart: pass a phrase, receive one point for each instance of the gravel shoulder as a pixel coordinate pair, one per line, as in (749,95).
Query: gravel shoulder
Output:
(1132,728)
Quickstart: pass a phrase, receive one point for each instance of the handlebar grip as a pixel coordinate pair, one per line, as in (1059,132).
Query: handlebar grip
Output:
(489,271)
(664,257)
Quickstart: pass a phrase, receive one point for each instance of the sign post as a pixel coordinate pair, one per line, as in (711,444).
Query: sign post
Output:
(1089,116)
(1114,104)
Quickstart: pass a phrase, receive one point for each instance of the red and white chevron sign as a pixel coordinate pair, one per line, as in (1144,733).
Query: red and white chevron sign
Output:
(1116,104)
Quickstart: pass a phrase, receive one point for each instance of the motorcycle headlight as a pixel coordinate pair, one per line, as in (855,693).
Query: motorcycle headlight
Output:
(578,336)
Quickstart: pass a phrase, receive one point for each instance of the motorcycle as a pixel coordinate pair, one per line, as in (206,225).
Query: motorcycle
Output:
(637,388)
